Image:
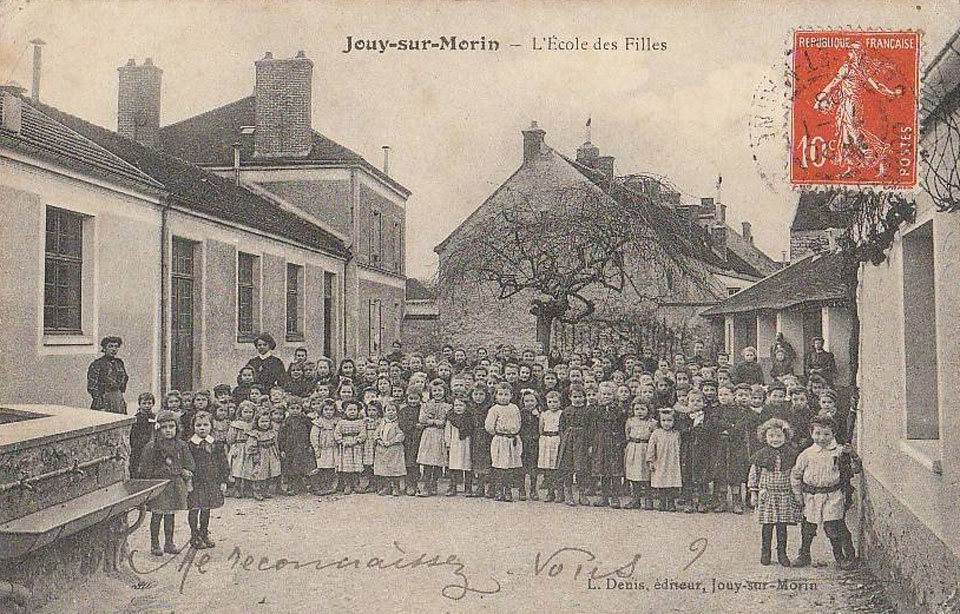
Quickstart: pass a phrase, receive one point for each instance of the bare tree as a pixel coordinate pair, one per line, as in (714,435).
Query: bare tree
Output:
(572,250)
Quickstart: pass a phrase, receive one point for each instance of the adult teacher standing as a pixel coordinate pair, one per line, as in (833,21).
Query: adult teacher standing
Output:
(107,378)
(267,368)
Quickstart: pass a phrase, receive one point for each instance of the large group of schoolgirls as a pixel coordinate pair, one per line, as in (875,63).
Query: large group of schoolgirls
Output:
(630,431)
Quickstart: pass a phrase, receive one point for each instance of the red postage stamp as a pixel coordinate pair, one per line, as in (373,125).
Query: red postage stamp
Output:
(854,108)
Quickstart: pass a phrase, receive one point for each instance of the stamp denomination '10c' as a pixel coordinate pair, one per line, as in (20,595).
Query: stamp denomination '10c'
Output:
(854,108)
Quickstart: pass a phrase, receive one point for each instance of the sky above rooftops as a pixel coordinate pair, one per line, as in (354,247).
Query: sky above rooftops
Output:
(453,119)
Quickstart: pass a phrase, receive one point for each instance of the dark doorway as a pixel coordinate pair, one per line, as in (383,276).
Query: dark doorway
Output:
(183,284)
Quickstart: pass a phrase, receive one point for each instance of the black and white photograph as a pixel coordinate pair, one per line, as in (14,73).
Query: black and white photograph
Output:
(479,306)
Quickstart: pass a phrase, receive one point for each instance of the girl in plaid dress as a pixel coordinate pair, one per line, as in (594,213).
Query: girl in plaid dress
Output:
(371,423)
(769,485)
(350,435)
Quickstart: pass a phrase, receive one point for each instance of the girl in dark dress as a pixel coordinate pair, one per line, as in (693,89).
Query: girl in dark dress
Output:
(141,433)
(209,479)
(480,405)
(268,369)
(530,437)
(167,457)
(297,458)
(607,440)
(574,452)
(408,419)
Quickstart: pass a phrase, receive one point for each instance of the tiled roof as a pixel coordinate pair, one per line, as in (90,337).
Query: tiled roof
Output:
(43,136)
(817,211)
(691,236)
(207,139)
(202,191)
(815,279)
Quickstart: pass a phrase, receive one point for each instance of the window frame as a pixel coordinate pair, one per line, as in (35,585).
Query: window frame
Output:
(244,287)
(60,261)
(294,298)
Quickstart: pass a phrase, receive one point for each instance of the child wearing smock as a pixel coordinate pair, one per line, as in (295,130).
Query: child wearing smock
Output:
(350,434)
(663,458)
(167,457)
(237,444)
(326,449)
(389,463)
(371,424)
(638,429)
(816,482)
(548,452)
(506,449)
(457,435)
(432,453)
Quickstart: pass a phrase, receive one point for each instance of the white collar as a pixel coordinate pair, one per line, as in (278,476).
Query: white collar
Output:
(265,356)
(197,441)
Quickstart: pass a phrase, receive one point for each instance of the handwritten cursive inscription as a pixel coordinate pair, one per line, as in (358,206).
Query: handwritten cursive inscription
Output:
(397,560)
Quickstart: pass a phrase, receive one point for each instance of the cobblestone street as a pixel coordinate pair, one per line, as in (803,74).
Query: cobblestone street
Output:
(464,555)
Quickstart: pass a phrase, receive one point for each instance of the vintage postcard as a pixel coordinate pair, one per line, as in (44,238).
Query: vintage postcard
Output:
(479,306)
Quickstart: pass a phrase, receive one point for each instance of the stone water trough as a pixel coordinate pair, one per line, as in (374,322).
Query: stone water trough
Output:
(65,495)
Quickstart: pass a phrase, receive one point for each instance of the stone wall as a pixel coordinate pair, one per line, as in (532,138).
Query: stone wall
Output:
(919,573)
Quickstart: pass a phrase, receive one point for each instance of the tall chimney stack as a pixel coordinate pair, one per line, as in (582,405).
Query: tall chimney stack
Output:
(607,165)
(386,159)
(747,232)
(138,102)
(283,106)
(532,141)
(37,53)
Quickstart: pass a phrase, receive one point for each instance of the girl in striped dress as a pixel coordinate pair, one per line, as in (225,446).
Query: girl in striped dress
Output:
(350,435)
(769,485)
(548,453)
(371,424)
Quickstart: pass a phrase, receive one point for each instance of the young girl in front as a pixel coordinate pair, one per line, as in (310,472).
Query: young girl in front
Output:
(548,446)
(349,434)
(209,479)
(457,435)
(574,453)
(262,463)
(237,445)
(167,457)
(432,453)
(389,465)
(663,458)
(506,449)
(325,448)
(639,427)
(769,485)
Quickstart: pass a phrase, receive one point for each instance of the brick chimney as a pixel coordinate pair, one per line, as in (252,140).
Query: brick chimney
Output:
(138,102)
(588,155)
(607,165)
(721,214)
(718,240)
(747,233)
(283,106)
(532,141)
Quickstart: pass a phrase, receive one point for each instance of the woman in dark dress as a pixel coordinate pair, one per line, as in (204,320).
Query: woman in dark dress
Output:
(267,368)
(107,378)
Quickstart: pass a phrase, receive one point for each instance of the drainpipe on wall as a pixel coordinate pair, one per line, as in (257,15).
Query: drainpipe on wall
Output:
(164,209)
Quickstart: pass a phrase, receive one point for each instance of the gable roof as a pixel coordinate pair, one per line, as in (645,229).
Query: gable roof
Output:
(207,139)
(691,236)
(818,211)
(201,191)
(815,279)
(43,136)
